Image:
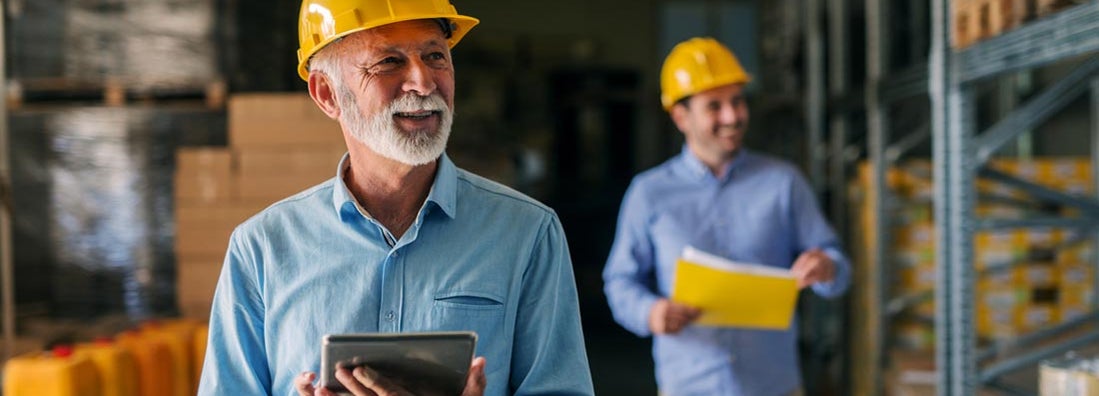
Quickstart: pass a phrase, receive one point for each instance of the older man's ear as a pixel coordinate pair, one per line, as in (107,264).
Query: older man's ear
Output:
(324,94)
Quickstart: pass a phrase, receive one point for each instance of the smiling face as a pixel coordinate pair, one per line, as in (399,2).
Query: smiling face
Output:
(395,89)
(714,122)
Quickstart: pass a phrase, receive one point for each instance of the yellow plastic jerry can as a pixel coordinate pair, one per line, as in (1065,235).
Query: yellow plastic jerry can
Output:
(59,372)
(180,336)
(155,365)
(201,333)
(117,368)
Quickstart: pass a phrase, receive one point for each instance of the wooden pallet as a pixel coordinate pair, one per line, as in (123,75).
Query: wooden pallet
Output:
(1046,7)
(110,92)
(976,20)
(962,18)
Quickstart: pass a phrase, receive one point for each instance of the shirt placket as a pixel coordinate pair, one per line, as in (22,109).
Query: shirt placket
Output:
(712,219)
(391,301)
(725,210)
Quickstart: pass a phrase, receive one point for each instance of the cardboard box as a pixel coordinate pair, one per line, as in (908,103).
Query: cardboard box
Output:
(197,215)
(1068,170)
(196,280)
(272,188)
(280,119)
(911,373)
(1043,237)
(196,188)
(190,160)
(1038,316)
(914,336)
(1037,275)
(210,239)
(1046,7)
(24,345)
(963,19)
(1070,377)
(997,256)
(1071,311)
(920,276)
(1000,211)
(318,162)
(1075,274)
(1079,253)
(203,174)
(1076,294)
(998,308)
(915,236)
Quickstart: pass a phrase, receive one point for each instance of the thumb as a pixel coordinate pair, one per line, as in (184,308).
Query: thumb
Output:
(475,382)
(303,383)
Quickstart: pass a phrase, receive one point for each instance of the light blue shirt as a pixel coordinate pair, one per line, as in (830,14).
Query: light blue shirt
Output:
(762,212)
(479,257)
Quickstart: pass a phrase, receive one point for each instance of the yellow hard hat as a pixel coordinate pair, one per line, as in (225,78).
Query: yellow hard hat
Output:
(323,21)
(697,65)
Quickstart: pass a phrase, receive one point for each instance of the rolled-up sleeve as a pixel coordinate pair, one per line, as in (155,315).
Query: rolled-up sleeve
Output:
(814,232)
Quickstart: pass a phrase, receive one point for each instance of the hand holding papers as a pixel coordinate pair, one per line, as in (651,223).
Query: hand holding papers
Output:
(732,294)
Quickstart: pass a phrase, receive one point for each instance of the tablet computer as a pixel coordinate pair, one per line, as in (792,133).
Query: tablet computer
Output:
(423,363)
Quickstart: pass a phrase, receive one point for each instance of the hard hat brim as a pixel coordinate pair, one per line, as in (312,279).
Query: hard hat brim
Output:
(465,24)
(669,101)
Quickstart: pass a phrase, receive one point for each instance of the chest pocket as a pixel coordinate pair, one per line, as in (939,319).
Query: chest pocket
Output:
(470,300)
(473,311)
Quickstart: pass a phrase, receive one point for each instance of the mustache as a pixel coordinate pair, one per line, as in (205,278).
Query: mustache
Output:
(412,102)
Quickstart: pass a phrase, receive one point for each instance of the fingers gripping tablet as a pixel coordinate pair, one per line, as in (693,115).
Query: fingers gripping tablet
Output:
(423,363)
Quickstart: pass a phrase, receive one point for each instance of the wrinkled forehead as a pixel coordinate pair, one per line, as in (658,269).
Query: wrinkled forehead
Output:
(414,33)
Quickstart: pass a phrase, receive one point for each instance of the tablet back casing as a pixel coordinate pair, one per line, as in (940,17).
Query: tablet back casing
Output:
(434,363)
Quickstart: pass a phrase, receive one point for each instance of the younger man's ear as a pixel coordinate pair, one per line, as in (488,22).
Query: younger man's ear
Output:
(679,116)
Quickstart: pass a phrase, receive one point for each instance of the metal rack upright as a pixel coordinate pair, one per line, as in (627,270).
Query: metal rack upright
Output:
(960,152)
(948,80)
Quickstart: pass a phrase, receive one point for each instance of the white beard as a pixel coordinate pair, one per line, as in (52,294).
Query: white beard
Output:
(381,134)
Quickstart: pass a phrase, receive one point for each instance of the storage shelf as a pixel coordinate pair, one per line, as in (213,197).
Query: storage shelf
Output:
(905,83)
(947,79)
(1063,35)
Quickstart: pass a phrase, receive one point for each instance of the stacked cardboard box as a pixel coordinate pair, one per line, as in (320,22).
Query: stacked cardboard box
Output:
(279,144)
(977,20)
(1032,279)
(911,373)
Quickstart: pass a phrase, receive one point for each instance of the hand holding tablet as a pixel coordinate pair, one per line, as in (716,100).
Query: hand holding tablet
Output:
(421,363)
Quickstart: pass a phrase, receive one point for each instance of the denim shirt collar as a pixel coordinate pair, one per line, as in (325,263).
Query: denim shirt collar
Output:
(443,192)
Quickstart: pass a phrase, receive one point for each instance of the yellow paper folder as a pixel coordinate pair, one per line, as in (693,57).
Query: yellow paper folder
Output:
(733,294)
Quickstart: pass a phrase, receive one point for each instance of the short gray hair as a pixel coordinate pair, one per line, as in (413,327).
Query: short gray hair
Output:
(327,62)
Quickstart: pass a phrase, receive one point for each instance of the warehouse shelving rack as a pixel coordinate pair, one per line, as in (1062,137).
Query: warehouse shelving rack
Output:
(825,319)
(947,80)
(829,104)
(7,273)
(959,155)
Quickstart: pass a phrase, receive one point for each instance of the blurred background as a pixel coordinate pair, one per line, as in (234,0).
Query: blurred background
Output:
(951,144)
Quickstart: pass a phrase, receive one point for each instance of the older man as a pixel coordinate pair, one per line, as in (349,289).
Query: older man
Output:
(400,240)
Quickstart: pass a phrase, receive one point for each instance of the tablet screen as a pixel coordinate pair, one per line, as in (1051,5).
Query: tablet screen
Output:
(423,363)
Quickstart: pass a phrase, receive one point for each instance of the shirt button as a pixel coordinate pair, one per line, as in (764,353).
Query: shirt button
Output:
(389,316)
(395,254)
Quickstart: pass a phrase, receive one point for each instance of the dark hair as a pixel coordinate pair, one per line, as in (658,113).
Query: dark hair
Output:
(683,101)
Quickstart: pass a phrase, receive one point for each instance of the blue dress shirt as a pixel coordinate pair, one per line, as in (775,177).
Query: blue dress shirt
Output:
(479,257)
(762,212)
